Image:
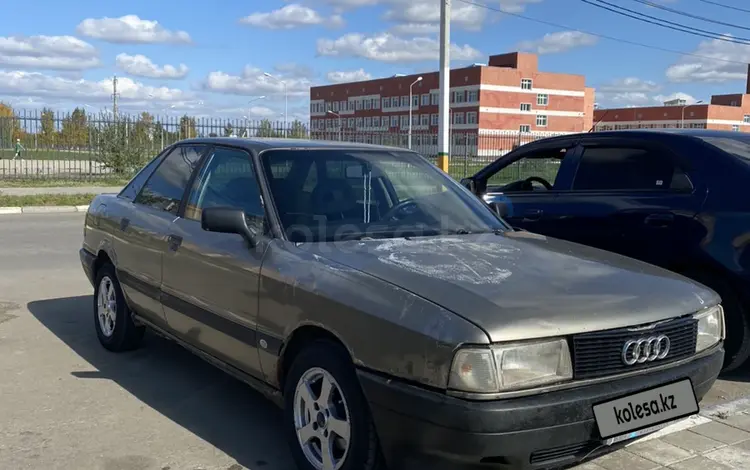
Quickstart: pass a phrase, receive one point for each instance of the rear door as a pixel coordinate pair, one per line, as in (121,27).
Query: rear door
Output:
(210,283)
(140,237)
(529,184)
(632,196)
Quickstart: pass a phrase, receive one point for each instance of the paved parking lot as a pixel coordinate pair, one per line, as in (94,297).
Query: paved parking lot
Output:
(66,403)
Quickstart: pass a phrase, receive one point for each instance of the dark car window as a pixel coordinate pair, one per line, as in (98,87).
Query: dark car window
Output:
(737,146)
(544,164)
(621,168)
(131,190)
(341,194)
(165,188)
(226,180)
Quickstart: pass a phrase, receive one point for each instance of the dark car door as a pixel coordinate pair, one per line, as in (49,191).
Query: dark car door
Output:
(210,281)
(141,233)
(529,183)
(632,196)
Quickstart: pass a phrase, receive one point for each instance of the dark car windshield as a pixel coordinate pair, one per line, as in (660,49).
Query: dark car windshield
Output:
(738,146)
(333,194)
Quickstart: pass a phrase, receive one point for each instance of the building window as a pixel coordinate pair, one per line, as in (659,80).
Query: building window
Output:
(526,84)
(525,106)
(426,99)
(368,122)
(350,123)
(458,118)
(368,104)
(541,120)
(435,98)
(376,121)
(471,118)
(425,119)
(394,121)
(733,103)
(746,119)
(735,128)
(542,99)
(459,96)
(524,128)
(473,96)
(435,118)
(359,122)
(386,103)
(359,105)
(375,103)
(404,121)
(335,105)
(404,101)
(415,101)
(414,119)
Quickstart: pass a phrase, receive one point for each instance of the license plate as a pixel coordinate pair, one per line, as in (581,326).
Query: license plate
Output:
(644,412)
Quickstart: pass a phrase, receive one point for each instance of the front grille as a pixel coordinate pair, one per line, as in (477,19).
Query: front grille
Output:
(600,354)
(563,452)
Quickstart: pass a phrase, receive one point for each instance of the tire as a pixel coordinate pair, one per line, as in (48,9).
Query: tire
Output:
(326,361)
(113,321)
(737,342)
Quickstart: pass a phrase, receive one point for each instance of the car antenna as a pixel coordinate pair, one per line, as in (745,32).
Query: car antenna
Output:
(600,120)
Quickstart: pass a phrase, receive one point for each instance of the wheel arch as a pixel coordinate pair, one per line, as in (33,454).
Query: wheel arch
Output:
(298,339)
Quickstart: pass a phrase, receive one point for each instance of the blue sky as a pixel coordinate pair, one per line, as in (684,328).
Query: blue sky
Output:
(208,58)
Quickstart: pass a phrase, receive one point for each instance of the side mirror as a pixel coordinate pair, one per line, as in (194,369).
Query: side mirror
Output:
(469,184)
(227,220)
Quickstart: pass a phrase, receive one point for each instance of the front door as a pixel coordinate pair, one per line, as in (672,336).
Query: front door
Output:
(210,282)
(140,238)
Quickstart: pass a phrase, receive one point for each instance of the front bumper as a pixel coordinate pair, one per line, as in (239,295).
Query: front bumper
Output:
(88,260)
(420,429)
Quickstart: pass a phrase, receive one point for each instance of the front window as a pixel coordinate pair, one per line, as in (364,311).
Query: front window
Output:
(331,195)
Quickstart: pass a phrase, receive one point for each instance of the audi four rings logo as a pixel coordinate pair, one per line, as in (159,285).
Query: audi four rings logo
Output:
(638,351)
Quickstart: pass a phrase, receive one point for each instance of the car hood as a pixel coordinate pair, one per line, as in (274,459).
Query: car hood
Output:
(519,285)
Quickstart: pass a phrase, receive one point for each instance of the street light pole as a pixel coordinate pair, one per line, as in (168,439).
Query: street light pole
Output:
(340,125)
(682,120)
(411,103)
(445,71)
(286,100)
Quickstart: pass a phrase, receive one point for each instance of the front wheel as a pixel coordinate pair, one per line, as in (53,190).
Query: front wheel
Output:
(326,417)
(112,317)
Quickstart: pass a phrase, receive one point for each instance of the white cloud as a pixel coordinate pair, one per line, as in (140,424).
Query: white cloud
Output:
(516,6)
(130,29)
(141,66)
(722,61)
(252,81)
(295,70)
(563,41)
(625,92)
(37,84)
(386,47)
(689,99)
(348,76)
(47,52)
(463,15)
(415,29)
(290,17)
(629,85)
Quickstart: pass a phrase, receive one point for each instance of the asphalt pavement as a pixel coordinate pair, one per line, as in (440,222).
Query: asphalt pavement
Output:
(66,403)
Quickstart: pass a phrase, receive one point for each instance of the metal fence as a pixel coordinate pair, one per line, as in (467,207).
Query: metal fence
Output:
(85,146)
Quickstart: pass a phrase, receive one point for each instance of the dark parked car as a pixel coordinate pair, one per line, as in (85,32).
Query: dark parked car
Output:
(676,199)
(395,317)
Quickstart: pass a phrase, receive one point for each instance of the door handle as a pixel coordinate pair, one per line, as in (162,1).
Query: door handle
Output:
(174,242)
(124,223)
(533,214)
(659,220)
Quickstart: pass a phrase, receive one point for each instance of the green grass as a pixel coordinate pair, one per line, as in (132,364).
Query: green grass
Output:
(49,154)
(58,182)
(46,200)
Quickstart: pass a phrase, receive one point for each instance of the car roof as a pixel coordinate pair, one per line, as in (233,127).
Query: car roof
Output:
(641,133)
(258,144)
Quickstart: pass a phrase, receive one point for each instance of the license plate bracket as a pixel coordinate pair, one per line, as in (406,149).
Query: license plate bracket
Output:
(643,412)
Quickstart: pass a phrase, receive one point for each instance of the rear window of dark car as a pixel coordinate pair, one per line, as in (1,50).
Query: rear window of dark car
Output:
(738,146)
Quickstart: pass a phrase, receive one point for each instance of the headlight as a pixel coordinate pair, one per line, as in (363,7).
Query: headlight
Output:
(506,367)
(710,328)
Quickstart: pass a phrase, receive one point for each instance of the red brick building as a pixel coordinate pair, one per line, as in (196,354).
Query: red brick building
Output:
(508,96)
(724,112)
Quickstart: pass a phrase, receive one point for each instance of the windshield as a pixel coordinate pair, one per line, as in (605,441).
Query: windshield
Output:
(738,146)
(331,195)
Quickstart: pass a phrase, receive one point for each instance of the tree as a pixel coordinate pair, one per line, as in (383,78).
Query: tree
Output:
(75,130)
(228,130)
(143,130)
(298,130)
(265,129)
(48,134)
(187,127)
(118,149)
(10,130)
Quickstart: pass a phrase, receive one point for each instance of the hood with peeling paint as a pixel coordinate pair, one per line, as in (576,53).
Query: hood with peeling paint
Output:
(518,285)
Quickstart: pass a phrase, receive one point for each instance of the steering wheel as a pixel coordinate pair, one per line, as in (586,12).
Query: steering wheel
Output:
(539,180)
(400,207)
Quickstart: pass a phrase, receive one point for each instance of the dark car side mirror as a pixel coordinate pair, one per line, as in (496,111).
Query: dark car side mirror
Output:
(228,220)
(469,184)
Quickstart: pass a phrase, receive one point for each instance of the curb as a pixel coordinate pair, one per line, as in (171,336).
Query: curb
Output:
(42,210)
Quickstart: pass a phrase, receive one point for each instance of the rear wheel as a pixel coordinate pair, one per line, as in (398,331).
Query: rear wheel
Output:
(737,343)
(112,317)
(326,417)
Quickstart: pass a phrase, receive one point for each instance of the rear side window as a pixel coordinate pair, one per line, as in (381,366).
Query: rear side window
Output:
(165,188)
(130,191)
(619,168)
